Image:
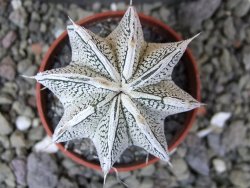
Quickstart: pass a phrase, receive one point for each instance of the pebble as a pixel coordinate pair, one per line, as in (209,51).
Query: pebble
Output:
(42,171)
(197,157)
(6,175)
(36,122)
(36,133)
(230,4)
(219,165)
(234,135)
(5,99)
(240,179)
(17,139)
(242,8)
(132,182)
(7,155)
(16,4)
(20,170)
(5,127)
(22,65)
(148,171)
(66,183)
(214,142)
(9,39)
(7,69)
(96,6)
(34,26)
(36,48)
(4,141)
(19,17)
(246,57)
(229,29)
(23,123)
(147,183)
(31,71)
(196,11)
(180,169)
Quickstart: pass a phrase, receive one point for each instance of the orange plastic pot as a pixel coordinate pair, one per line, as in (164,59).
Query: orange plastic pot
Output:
(192,75)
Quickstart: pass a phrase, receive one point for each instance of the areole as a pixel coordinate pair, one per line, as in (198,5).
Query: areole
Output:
(193,78)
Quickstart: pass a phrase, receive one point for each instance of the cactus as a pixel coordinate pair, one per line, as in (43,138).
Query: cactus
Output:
(118,90)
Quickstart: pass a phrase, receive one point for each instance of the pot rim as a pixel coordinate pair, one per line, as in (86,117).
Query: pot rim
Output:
(148,20)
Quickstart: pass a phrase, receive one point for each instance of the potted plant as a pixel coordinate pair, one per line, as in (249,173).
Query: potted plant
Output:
(117,90)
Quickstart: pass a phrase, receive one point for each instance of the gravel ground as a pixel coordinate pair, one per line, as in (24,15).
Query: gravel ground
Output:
(218,160)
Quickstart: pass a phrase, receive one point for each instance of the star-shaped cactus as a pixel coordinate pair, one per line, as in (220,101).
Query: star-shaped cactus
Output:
(118,90)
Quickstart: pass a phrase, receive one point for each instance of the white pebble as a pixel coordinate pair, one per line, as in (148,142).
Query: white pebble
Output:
(46,145)
(23,123)
(219,165)
(113,7)
(220,118)
(16,4)
(36,122)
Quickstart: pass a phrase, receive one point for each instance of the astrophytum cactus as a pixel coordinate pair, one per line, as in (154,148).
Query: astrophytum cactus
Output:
(118,90)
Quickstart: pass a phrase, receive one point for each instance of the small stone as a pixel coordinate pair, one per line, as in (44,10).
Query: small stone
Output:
(7,69)
(146,8)
(9,39)
(229,29)
(34,26)
(240,179)
(42,171)
(121,6)
(43,27)
(96,6)
(35,122)
(234,135)
(214,142)
(5,99)
(16,4)
(46,145)
(113,6)
(66,183)
(132,181)
(197,157)
(31,70)
(19,17)
(4,141)
(219,165)
(230,4)
(57,31)
(196,11)
(17,139)
(8,155)
(6,175)
(36,48)
(225,59)
(5,126)
(180,169)
(164,13)
(242,8)
(81,13)
(23,65)
(246,57)
(20,170)
(23,123)
(147,183)
(36,133)
(35,16)
(220,118)
(148,171)
(208,25)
